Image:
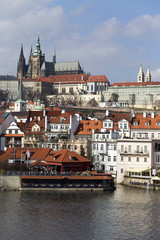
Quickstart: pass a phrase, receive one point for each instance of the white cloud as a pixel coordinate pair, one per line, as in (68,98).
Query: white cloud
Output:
(107,29)
(143,26)
(155,74)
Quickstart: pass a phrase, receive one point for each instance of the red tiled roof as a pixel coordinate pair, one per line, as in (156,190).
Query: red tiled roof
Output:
(87,126)
(63,118)
(35,153)
(22,126)
(69,78)
(141,122)
(11,104)
(134,84)
(35,121)
(116,117)
(97,78)
(68,156)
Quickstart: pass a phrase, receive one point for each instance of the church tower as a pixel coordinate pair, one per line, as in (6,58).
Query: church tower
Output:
(21,68)
(36,60)
(148,75)
(140,76)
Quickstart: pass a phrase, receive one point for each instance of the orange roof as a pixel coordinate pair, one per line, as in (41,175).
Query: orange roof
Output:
(68,156)
(13,135)
(44,154)
(134,84)
(97,78)
(87,126)
(11,104)
(139,122)
(69,78)
(117,116)
(35,153)
(40,123)
(63,118)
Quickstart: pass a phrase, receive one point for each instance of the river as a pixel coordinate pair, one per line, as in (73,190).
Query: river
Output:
(127,213)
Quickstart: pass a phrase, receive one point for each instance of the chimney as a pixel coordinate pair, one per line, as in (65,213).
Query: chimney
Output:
(63,111)
(44,113)
(46,123)
(152,115)
(144,114)
(107,112)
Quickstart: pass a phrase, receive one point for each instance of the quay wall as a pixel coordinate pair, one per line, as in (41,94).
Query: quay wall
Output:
(10,182)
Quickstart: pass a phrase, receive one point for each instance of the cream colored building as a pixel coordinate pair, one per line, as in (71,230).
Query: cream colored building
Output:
(136,156)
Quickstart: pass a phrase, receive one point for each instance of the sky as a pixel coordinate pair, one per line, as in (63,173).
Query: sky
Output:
(107,37)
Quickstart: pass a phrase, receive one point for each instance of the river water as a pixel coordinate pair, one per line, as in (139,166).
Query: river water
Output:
(126,213)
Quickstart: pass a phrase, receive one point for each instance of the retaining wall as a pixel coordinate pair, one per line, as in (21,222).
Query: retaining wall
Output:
(10,182)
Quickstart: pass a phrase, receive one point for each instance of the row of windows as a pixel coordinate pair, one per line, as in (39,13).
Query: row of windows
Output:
(138,148)
(129,159)
(59,127)
(13,131)
(102,147)
(99,136)
(109,158)
(144,135)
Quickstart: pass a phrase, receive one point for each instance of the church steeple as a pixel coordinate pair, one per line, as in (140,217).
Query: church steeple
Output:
(140,76)
(148,75)
(21,68)
(54,55)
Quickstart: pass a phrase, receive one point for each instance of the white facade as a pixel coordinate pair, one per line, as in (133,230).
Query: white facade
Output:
(136,155)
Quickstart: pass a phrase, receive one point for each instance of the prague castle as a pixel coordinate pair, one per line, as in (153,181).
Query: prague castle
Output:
(38,67)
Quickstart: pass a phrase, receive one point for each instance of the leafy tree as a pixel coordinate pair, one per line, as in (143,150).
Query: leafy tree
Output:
(4,95)
(114,98)
(93,103)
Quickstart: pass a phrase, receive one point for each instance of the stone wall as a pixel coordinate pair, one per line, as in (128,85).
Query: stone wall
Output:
(10,182)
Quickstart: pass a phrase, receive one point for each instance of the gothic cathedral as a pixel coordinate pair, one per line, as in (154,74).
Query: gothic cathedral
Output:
(38,67)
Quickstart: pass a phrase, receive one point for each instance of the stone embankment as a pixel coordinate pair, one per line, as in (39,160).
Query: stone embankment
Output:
(10,183)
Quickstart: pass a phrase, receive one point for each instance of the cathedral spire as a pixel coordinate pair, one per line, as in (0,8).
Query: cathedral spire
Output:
(21,53)
(54,55)
(21,68)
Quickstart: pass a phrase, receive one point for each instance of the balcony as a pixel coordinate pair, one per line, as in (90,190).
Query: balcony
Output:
(133,153)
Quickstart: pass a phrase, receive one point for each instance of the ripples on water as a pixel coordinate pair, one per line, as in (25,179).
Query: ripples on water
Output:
(126,213)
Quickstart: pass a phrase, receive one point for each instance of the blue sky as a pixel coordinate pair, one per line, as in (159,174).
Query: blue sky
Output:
(111,37)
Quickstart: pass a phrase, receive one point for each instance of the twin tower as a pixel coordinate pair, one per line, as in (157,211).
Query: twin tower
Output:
(144,78)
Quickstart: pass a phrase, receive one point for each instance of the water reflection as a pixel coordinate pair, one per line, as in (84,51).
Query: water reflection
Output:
(126,213)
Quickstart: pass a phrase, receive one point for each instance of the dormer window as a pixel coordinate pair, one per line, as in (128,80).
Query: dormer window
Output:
(147,124)
(135,123)
(73,158)
(158,124)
